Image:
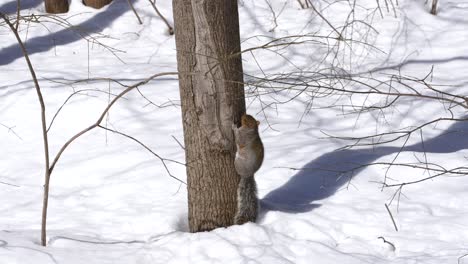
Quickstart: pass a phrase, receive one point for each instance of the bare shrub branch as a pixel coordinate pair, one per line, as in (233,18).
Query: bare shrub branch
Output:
(44,126)
(49,166)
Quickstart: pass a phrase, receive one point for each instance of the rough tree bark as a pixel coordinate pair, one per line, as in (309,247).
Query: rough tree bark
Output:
(212,97)
(56,6)
(96,3)
(434,7)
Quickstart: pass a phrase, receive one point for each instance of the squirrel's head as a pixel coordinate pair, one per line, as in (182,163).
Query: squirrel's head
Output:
(249,121)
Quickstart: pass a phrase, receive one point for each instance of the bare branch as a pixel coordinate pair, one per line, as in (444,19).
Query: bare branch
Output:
(134,11)
(44,126)
(103,114)
(153,4)
(391,217)
(163,160)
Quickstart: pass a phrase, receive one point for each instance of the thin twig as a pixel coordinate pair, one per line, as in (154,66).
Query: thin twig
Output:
(134,11)
(340,37)
(178,142)
(461,257)
(391,217)
(380,9)
(68,99)
(10,184)
(10,129)
(163,160)
(18,10)
(103,114)
(301,4)
(153,4)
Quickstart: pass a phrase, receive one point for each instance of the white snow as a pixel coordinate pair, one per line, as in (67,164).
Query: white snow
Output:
(112,201)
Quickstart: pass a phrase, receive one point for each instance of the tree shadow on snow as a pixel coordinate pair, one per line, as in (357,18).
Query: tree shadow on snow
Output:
(10,7)
(94,25)
(325,175)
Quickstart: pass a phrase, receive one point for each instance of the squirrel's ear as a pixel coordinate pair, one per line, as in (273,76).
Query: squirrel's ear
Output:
(258,123)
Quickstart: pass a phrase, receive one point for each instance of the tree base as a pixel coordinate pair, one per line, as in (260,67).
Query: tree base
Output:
(56,6)
(98,4)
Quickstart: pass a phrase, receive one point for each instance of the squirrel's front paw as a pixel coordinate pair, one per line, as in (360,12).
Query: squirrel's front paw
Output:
(234,126)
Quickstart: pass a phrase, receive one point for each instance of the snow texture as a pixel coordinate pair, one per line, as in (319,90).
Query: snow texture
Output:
(112,201)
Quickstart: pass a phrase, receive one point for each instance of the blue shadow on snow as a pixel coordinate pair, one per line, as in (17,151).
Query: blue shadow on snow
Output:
(325,175)
(65,36)
(10,7)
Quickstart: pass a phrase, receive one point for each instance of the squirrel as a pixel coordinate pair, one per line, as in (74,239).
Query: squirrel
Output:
(249,158)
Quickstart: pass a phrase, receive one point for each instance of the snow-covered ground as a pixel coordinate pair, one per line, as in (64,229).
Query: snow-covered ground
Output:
(112,201)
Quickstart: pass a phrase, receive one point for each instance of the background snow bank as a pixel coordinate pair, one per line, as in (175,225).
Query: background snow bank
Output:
(112,202)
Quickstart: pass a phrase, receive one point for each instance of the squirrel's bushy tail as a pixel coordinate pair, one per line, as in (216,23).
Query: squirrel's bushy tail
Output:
(247,204)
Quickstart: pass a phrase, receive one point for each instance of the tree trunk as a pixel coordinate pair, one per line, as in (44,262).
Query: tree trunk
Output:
(96,3)
(56,6)
(434,7)
(212,98)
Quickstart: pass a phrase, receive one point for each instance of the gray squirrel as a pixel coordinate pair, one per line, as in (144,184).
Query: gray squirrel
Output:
(249,158)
